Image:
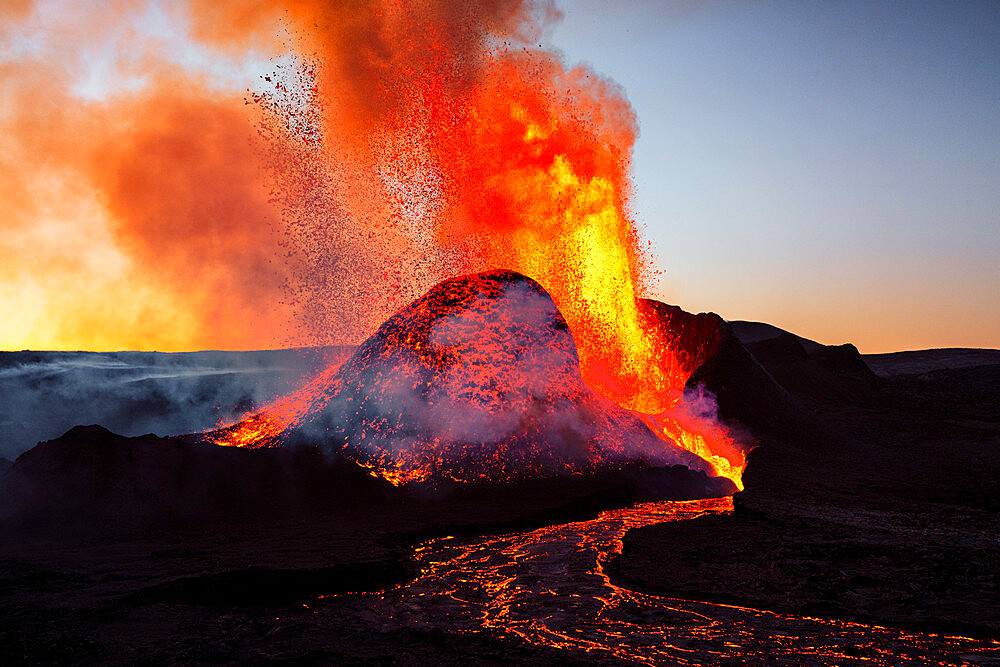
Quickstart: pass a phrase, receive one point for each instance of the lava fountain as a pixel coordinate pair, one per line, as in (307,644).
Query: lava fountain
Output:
(448,140)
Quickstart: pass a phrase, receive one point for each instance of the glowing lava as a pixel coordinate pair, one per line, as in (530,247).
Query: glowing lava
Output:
(536,177)
(548,587)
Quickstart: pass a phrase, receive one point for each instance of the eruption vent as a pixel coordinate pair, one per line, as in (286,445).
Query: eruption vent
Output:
(457,147)
(472,154)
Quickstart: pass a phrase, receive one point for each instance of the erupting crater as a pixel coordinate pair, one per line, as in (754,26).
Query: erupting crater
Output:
(478,380)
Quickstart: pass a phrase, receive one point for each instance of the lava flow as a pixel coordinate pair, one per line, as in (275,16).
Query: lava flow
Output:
(548,587)
(448,144)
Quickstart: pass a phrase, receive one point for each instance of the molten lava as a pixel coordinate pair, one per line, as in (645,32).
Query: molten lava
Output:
(536,177)
(265,427)
(549,587)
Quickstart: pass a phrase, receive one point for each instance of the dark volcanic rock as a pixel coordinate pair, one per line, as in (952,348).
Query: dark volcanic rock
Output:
(694,338)
(754,332)
(163,535)
(877,503)
(92,480)
(883,508)
(480,379)
(827,373)
(845,361)
(916,362)
(865,563)
(91,483)
(749,398)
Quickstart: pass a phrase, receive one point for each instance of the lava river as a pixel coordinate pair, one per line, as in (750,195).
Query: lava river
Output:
(548,587)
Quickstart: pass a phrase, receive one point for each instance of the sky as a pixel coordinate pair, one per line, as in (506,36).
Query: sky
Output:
(830,168)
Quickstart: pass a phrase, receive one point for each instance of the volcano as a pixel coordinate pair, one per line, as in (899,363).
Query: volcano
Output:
(478,380)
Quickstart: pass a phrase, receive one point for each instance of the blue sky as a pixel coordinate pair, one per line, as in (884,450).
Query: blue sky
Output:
(831,168)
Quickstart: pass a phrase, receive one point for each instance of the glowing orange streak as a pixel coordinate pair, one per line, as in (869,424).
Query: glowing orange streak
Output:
(265,427)
(706,440)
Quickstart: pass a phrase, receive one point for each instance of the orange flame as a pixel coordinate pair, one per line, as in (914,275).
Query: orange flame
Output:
(536,176)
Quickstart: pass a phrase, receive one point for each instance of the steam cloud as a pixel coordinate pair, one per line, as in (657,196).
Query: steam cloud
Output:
(166,213)
(47,393)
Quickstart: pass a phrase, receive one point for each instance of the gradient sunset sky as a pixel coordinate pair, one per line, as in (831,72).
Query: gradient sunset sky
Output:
(832,168)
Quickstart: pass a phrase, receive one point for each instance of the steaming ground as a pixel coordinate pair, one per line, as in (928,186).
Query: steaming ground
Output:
(44,394)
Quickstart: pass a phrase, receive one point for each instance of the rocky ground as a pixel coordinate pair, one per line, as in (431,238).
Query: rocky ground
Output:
(121,550)
(117,549)
(880,504)
(870,496)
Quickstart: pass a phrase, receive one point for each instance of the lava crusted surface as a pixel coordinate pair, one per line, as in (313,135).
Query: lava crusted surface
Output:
(479,380)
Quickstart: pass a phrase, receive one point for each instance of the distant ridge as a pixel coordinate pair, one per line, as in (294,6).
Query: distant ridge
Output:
(916,362)
(755,332)
(888,364)
(45,393)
